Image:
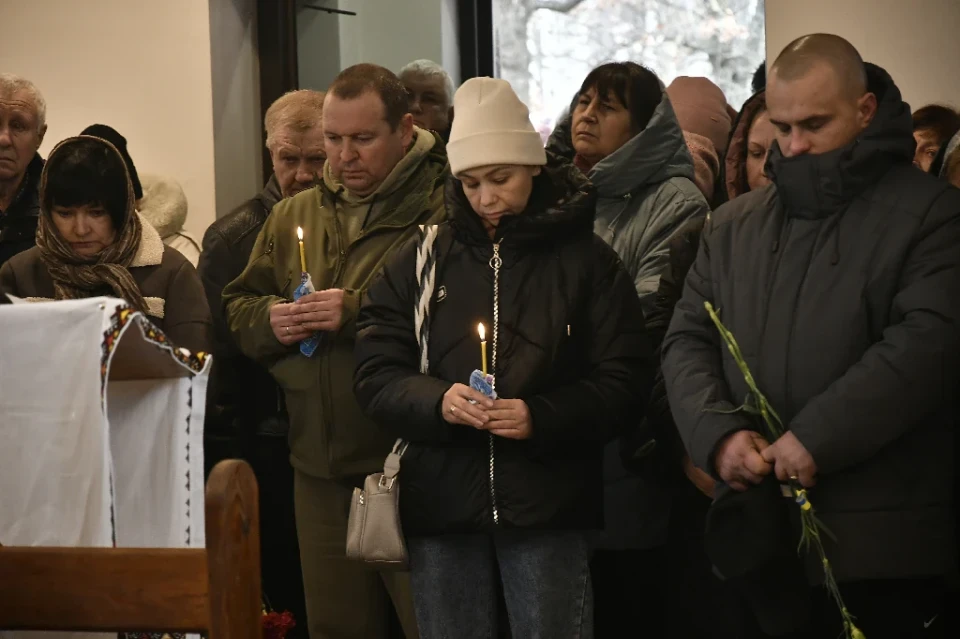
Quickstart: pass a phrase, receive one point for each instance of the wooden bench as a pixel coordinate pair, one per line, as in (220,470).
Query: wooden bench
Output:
(215,590)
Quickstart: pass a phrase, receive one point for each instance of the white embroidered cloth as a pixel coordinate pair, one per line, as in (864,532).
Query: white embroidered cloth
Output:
(101,420)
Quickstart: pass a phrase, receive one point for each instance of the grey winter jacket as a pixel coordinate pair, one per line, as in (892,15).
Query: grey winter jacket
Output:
(645,193)
(839,282)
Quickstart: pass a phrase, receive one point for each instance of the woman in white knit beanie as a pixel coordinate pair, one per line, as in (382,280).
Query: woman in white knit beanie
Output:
(499,489)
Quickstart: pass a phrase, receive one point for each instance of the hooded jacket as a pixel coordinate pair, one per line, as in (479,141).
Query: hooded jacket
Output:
(645,193)
(18,223)
(571,344)
(329,435)
(164,205)
(839,282)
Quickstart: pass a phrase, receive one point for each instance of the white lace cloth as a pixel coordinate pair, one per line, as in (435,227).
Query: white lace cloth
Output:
(101,424)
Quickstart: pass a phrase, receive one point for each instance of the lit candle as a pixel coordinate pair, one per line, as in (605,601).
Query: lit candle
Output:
(483,347)
(303,259)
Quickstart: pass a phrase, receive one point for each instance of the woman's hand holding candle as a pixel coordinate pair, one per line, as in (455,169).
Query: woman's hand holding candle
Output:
(458,409)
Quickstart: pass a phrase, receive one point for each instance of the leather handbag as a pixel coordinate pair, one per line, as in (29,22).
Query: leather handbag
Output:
(374,533)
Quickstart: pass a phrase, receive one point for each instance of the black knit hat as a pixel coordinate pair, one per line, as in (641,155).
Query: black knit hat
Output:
(111,135)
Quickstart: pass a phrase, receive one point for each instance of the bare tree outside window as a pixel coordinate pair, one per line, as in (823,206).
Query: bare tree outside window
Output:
(545,48)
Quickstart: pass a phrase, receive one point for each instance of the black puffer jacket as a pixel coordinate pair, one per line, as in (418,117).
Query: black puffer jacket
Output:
(243,399)
(572,345)
(18,224)
(840,281)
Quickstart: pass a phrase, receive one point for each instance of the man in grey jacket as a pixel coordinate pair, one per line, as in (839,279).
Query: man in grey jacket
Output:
(840,283)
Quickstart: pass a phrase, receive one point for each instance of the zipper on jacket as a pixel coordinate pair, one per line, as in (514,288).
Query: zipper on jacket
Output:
(495,264)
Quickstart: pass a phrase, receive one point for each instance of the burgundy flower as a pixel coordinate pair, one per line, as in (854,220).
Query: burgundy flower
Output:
(276,625)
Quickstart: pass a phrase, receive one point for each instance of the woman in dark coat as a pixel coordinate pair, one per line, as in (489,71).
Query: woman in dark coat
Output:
(91,242)
(496,495)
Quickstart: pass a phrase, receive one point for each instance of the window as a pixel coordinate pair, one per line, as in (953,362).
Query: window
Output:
(545,48)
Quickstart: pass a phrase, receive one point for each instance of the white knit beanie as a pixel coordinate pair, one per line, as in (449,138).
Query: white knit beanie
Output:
(491,126)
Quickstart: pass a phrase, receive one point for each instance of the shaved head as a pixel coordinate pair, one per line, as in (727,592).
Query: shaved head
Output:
(817,95)
(804,54)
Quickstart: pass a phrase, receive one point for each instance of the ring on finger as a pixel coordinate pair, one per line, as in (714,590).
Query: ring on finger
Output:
(453,408)
(288,329)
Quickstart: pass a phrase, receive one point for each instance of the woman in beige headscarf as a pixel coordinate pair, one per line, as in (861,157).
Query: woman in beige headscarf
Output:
(91,242)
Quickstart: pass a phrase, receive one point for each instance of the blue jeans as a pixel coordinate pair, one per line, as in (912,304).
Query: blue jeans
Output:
(544,576)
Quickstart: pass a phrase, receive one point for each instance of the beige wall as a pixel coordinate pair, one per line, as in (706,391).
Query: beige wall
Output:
(144,67)
(916,41)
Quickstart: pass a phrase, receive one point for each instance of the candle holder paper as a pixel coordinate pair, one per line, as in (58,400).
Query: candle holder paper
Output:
(482,384)
(309,345)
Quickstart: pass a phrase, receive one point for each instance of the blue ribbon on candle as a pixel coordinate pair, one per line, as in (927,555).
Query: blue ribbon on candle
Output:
(309,345)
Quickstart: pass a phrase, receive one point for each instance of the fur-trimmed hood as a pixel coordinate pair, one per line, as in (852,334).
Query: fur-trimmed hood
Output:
(164,204)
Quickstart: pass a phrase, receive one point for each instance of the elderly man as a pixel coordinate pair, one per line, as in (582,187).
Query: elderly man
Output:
(23,123)
(840,283)
(383,177)
(431,95)
(246,416)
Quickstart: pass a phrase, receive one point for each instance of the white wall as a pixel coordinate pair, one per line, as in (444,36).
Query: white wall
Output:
(390,33)
(145,68)
(916,42)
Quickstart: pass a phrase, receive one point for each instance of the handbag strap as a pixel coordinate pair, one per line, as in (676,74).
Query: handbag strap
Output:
(426,272)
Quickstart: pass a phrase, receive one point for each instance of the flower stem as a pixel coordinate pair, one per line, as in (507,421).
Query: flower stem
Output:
(811,527)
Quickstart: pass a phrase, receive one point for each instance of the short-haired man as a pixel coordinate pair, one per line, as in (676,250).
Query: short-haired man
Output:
(245,413)
(23,123)
(840,283)
(383,177)
(431,95)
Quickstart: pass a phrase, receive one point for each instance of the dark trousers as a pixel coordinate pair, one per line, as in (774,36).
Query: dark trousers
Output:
(279,550)
(629,592)
(699,605)
(885,609)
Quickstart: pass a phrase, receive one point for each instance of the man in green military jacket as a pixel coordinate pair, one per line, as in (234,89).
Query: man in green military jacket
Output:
(383,178)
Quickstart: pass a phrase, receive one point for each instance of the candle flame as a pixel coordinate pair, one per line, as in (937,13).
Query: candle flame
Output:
(299,233)
(482,331)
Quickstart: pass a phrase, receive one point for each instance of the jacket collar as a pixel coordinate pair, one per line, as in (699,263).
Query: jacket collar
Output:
(150,251)
(26,203)
(951,147)
(562,203)
(407,201)
(271,193)
(816,186)
(652,156)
